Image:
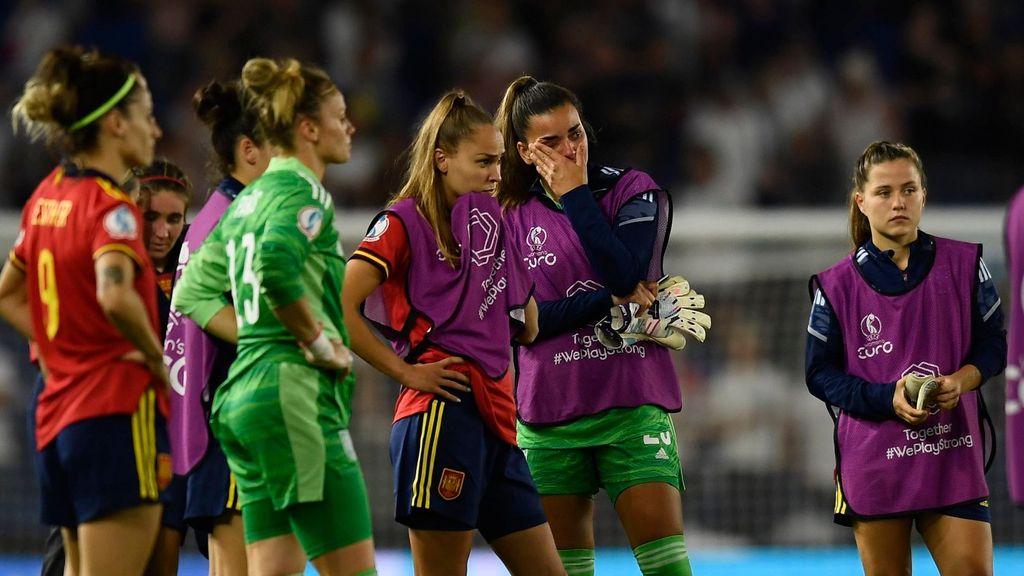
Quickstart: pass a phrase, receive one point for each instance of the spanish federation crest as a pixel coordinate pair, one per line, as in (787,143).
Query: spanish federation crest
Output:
(450,486)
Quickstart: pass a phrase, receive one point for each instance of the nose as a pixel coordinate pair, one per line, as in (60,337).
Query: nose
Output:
(567,149)
(494,174)
(157,132)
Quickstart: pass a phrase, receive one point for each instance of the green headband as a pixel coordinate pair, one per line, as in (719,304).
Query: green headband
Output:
(106,106)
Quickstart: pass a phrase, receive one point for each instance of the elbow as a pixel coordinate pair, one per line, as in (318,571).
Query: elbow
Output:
(528,334)
(112,302)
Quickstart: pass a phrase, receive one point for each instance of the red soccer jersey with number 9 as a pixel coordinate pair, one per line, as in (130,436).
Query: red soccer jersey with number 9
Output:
(67,224)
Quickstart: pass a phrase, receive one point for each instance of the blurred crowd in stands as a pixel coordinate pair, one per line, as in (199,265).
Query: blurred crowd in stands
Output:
(727,103)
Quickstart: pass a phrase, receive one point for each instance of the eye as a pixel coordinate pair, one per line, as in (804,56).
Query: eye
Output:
(151,216)
(575,134)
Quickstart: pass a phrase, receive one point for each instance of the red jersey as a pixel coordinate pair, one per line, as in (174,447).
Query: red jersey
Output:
(389,252)
(69,222)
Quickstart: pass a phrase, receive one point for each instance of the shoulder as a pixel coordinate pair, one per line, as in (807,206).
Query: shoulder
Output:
(386,244)
(385,226)
(292,187)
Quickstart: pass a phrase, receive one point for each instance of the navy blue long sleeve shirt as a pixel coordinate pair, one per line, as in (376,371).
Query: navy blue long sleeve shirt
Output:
(825,356)
(620,252)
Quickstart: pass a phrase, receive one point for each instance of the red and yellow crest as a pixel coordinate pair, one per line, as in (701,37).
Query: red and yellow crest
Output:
(450,486)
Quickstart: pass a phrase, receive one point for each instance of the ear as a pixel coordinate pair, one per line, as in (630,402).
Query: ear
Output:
(858,197)
(114,122)
(309,130)
(524,152)
(247,150)
(441,160)
(924,196)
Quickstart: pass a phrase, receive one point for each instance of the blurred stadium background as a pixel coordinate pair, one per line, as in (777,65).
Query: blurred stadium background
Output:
(749,111)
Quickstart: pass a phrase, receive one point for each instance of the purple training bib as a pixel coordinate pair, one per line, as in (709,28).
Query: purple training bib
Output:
(573,375)
(890,467)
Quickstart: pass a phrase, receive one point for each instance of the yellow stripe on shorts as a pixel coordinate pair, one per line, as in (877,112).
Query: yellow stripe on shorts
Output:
(144,445)
(151,460)
(430,430)
(840,501)
(232,503)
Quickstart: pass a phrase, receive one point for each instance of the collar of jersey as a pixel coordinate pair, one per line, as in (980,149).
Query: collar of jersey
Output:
(72,170)
(230,187)
(290,163)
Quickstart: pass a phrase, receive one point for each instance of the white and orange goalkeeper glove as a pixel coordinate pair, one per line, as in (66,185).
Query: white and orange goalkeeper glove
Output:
(673,314)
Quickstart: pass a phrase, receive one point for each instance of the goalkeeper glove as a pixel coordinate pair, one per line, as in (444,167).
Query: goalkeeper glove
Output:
(673,313)
(919,387)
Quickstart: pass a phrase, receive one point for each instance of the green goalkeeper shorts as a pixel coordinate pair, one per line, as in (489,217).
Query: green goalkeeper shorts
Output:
(279,426)
(614,450)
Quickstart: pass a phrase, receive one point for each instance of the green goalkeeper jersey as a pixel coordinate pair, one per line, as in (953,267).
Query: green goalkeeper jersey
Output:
(275,244)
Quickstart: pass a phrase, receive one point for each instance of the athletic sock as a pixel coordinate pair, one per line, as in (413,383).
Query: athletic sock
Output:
(578,562)
(663,557)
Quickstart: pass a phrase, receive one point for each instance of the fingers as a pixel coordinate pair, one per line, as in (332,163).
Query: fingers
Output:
(455,378)
(583,155)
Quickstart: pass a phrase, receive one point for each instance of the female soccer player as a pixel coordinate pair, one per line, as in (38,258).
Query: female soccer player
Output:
(593,237)
(437,276)
(80,285)
(199,362)
(163,195)
(903,308)
(276,250)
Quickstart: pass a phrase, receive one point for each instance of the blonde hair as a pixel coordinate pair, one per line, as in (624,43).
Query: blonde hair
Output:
(454,118)
(68,86)
(876,153)
(283,90)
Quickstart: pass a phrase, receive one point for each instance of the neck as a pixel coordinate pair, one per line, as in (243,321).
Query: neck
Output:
(159,264)
(900,247)
(245,175)
(309,158)
(104,160)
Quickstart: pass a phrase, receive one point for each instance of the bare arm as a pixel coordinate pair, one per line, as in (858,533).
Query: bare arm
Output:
(223,325)
(361,279)
(122,305)
(14,300)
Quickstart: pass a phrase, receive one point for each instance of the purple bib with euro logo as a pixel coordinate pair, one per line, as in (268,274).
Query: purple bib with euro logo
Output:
(191,355)
(891,467)
(573,375)
(1015,350)
(468,307)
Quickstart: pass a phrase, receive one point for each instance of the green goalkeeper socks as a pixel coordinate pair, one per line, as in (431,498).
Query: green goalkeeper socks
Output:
(664,557)
(578,562)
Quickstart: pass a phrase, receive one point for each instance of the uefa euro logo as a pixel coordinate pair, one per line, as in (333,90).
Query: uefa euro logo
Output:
(871,327)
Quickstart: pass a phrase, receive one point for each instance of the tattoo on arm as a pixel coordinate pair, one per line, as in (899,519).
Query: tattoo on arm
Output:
(113,275)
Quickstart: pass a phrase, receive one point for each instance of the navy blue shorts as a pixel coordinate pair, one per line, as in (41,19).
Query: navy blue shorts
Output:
(174,504)
(211,489)
(452,473)
(968,511)
(98,466)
